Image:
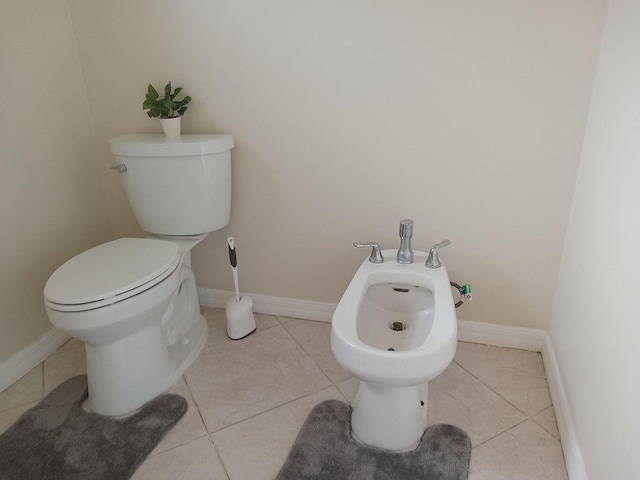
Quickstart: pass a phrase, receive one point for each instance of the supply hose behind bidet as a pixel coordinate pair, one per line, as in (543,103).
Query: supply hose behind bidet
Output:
(464,291)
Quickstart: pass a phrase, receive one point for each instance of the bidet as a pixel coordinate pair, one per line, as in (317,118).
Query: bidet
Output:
(394,330)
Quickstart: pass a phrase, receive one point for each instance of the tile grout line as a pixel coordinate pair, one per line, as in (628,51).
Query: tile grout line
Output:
(307,353)
(281,324)
(224,467)
(528,417)
(503,431)
(181,444)
(199,414)
(498,394)
(276,407)
(23,403)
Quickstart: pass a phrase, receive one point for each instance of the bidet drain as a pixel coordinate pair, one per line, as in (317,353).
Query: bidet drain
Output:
(397,326)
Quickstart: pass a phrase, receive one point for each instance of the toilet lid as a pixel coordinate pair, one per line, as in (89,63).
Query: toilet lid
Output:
(107,272)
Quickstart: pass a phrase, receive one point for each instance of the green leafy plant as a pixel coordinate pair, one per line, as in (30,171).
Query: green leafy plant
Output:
(167,106)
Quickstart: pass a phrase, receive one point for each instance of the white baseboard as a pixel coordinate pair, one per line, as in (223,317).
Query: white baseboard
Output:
(18,365)
(282,306)
(501,335)
(569,439)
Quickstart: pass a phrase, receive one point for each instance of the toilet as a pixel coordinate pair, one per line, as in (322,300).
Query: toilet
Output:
(133,301)
(394,330)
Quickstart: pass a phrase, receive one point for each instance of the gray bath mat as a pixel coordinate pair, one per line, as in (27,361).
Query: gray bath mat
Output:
(325,449)
(58,440)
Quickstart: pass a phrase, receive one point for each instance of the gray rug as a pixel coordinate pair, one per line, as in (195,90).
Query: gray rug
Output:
(58,440)
(325,449)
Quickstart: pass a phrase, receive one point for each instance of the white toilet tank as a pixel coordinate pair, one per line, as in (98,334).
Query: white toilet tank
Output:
(176,186)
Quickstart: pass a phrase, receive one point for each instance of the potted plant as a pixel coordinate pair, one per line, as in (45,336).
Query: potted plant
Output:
(167,108)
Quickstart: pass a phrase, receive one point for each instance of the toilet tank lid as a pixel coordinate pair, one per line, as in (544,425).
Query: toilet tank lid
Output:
(110,270)
(157,145)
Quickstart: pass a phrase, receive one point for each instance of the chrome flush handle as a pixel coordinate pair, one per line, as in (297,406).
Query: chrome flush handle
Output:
(120,168)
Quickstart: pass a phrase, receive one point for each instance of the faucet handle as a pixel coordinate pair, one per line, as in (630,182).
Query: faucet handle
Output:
(433,261)
(376,254)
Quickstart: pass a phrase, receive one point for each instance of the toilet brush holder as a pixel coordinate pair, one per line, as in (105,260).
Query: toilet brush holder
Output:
(240,319)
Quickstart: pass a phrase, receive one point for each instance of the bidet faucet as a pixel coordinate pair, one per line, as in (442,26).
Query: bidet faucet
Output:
(376,254)
(405,254)
(433,261)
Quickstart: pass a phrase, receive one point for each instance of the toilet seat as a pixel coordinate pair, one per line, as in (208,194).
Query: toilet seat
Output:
(110,273)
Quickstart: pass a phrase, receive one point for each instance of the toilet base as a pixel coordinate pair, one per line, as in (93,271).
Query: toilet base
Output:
(388,417)
(131,379)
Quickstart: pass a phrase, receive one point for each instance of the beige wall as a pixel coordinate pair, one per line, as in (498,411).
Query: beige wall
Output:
(51,199)
(595,327)
(351,115)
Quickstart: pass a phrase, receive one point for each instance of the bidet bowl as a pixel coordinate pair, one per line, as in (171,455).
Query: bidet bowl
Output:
(378,295)
(395,316)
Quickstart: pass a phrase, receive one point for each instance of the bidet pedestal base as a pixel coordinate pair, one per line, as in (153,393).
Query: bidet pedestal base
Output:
(392,418)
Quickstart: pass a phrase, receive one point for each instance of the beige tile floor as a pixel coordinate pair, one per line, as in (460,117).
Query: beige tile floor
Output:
(248,399)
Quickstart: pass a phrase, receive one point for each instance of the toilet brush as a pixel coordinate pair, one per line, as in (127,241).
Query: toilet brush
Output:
(240,320)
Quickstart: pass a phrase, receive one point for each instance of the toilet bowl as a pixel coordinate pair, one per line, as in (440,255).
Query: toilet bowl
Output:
(134,301)
(118,298)
(394,330)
